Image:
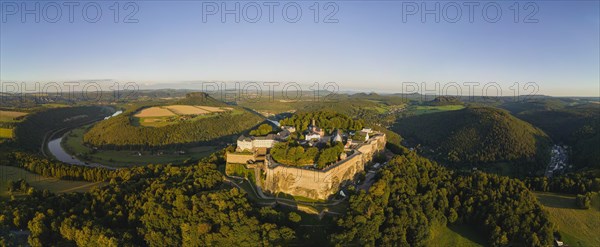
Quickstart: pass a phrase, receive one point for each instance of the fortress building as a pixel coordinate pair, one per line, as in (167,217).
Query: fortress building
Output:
(249,143)
(252,155)
(314,183)
(313,132)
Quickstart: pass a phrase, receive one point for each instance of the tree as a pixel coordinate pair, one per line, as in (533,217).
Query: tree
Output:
(38,229)
(584,201)
(262,130)
(294,217)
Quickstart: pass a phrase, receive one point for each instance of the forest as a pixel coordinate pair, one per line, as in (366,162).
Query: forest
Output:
(413,194)
(327,120)
(119,133)
(159,205)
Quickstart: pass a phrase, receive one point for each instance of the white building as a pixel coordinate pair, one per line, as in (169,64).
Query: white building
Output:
(252,142)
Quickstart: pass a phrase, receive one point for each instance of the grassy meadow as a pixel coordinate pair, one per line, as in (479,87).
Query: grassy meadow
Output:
(422,109)
(39,182)
(459,235)
(578,227)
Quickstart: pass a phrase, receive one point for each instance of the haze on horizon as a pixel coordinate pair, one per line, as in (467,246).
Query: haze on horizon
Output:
(373,46)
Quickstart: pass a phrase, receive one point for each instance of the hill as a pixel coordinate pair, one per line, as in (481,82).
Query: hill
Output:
(577,126)
(476,135)
(445,100)
(199,98)
(128,131)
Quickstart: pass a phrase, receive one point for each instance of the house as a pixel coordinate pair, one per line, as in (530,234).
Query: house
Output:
(337,136)
(558,243)
(313,132)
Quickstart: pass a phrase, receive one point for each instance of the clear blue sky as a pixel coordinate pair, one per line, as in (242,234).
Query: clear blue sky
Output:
(370,48)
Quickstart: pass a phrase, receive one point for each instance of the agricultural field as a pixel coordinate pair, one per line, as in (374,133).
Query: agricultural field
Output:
(156,111)
(158,116)
(39,182)
(421,109)
(8,119)
(186,110)
(578,227)
(10,116)
(6,133)
(72,142)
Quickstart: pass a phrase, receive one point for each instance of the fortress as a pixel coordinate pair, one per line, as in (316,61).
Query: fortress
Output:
(272,177)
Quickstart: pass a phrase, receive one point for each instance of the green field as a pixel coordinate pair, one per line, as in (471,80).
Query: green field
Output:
(459,235)
(165,121)
(6,133)
(73,144)
(40,182)
(578,227)
(421,109)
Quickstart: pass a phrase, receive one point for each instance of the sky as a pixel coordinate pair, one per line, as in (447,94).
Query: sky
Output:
(360,45)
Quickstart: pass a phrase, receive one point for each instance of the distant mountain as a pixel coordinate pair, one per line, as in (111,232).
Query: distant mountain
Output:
(477,135)
(199,98)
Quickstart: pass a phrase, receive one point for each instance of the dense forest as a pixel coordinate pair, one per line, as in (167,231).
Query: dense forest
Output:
(414,194)
(327,120)
(477,135)
(161,205)
(31,132)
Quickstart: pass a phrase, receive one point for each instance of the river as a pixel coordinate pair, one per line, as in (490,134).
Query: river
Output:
(60,154)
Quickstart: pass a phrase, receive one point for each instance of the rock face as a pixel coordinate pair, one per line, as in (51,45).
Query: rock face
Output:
(318,184)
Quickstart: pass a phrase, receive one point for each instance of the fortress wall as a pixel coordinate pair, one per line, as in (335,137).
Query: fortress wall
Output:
(317,184)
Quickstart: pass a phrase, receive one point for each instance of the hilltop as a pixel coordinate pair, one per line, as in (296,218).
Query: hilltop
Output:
(194,119)
(199,98)
(445,100)
(476,135)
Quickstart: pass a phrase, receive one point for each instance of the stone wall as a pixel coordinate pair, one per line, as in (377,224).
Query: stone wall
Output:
(319,184)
